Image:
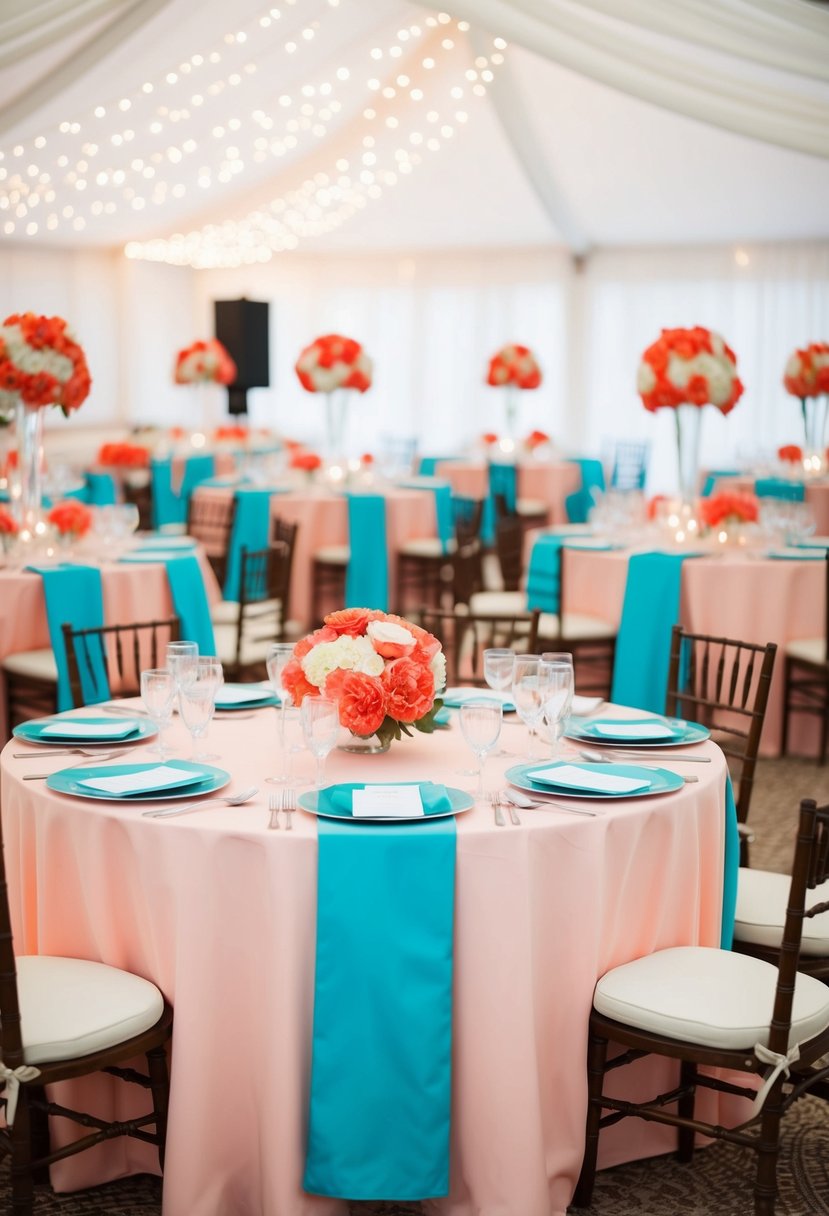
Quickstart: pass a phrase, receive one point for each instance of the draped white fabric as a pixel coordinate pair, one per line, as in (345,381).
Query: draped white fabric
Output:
(718,82)
(28,25)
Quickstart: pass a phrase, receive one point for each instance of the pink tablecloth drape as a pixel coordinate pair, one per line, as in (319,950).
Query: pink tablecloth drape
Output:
(549,481)
(220,912)
(751,599)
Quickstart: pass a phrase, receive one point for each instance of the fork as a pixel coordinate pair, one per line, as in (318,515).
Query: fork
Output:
(57,751)
(289,806)
(273,807)
(79,764)
(494,799)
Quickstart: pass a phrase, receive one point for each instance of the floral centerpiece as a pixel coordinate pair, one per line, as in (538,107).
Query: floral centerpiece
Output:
(684,370)
(204,363)
(383,671)
(41,364)
(124,455)
(513,367)
(9,528)
(334,364)
(70,518)
(727,511)
(305,462)
(536,439)
(807,376)
(790,453)
(489,439)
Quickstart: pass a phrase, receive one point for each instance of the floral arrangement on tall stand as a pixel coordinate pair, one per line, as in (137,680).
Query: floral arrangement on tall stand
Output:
(383,671)
(204,365)
(685,370)
(807,377)
(336,366)
(515,369)
(41,365)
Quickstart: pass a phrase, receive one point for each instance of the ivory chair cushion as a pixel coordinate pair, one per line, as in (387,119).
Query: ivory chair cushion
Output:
(333,554)
(426,546)
(761,912)
(34,664)
(254,648)
(811,650)
(71,1007)
(716,998)
(532,506)
(498,603)
(226,612)
(514,603)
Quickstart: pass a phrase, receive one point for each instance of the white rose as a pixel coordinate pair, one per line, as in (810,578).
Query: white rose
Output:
(387,633)
(438,670)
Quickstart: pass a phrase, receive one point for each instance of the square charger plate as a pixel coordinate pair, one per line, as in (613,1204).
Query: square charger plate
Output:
(32,732)
(581,729)
(257,698)
(661,780)
(308,801)
(67,781)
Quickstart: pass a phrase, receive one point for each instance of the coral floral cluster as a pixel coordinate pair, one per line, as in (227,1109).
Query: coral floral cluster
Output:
(8,524)
(807,371)
(41,364)
(231,432)
(333,362)
(204,363)
(71,518)
(124,455)
(729,508)
(383,671)
(536,439)
(790,453)
(489,438)
(306,462)
(514,365)
(689,367)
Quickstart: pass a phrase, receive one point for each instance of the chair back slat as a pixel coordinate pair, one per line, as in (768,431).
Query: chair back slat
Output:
(465,635)
(467,514)
(509,545)
(210,519)
(141,641)
(11,1044)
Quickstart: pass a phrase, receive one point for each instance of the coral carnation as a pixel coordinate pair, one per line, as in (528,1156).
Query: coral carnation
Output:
(410,688)
(362,701)
(720,508)
(350,621)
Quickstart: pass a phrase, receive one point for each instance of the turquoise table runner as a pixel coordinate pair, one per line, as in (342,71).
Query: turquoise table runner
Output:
(190,601)
(428,464)
(731,868)
(578,504)
(503,479)
(367,576)
(780,487)
(74,596)
(649,611)
(713,476)
(251,530)
(100,489)
(170,507)
(381,1067)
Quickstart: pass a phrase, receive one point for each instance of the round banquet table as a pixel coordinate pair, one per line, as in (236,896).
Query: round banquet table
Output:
(817,497)
(220,913)
(131,593)
(753,599)
(548,480)
(322,519)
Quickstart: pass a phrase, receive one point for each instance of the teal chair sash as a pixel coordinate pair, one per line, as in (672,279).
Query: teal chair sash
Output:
(74,596)
(367,576)
(780,487)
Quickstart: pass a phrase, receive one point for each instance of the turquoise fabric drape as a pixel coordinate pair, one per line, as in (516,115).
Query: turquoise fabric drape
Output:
(579,503)
(544,575)
(169,506)
(713,476)
(731,868)
(780,487)
(503,479)
(100,489)
(381,1056)
(190,601)
(427,465)
(367,577)
(74,596)
(251,530)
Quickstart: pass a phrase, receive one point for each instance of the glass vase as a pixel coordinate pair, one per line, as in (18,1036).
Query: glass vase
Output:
(688,421)
(336,410)
(371,746)
(815,410)
(511,411)
(27,493)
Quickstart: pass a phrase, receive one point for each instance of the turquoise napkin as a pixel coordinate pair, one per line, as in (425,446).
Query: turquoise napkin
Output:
(780,487)
(100,489)
(382,1038)
(170,507)
(367,577)
(649,611)
(190,600)
(74,596)
(336,799)
(731,868)
(713,477)
(251,528)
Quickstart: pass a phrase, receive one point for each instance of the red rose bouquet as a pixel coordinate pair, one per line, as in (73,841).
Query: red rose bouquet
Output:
(204,363)
(71,518)
(790,453)
(124,455)
(727,507)
(807,371)
(8,524)
(536,439)
(333,362)
(383,671)
(41,364)
(306,462)
(514,365)
(689,367)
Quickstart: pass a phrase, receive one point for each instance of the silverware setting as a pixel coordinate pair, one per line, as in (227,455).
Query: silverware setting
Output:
(630,753)
(542,802)
(170,812)
(601,758)
(495,803)
(123,709)
(41,754)
(274,801)
(79,763)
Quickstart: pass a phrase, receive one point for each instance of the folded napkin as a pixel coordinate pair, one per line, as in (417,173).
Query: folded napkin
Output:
(79,729)
(780,487)
(585,705)
(651,729)
(241,694)
(162,777)
(572,776)
(100,489)
(338,800)
(166,542)
(455,697)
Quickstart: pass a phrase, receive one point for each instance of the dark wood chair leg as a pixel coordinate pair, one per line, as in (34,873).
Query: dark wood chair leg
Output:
(39,1134)
(23,1191)
(685,1108)
(824,729)
(784,737)
(765,1187)
(160,1088)
(596,1057)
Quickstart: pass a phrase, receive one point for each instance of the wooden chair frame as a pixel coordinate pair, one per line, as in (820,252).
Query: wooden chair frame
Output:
(760,1132)
(806,686)
(125,651)
(464,636)
(210,520)
(264,578)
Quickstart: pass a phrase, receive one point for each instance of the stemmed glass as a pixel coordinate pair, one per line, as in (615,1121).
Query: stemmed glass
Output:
(530,682)
(201,680)
(279,653)
(320,725)
(158,690)
(481,719)
(498,667)
(180,659)
(559,697)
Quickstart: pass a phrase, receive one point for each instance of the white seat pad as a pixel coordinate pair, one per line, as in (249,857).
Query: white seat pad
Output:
(226,612)
(426,546)
(812,650)
(333,553)
(498,603)
(532,506)
(712,997)
(761,912)
(39,664)
(576,626)
(71,1007)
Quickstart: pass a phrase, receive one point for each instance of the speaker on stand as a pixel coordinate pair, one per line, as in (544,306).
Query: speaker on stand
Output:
(242,327)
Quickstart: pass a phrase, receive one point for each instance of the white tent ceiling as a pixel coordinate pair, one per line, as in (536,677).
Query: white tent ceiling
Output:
(274,131)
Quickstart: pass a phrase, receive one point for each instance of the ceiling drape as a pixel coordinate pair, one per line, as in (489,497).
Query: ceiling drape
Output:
(29,25)
(719,61)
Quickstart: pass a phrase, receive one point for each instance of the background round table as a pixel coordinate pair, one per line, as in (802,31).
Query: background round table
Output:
(550,481)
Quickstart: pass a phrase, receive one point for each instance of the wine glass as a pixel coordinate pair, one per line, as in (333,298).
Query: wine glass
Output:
(320,725)
(279,654)
(158,690)
(180,659)
(559,696)
(498,667)
(205,674)
(481,719)
(530,681)
(195,703)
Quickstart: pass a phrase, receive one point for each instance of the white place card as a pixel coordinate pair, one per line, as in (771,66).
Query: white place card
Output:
(576,778)
(634,730)
(90,730)
(162,777)
(387,802)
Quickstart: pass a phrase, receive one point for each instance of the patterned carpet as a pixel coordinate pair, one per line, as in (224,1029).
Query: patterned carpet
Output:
(718,1183)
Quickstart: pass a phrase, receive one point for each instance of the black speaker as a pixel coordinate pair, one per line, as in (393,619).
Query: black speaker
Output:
(242,327)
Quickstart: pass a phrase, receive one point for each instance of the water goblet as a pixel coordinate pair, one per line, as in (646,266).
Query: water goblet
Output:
(530,682)
(180,659)
(195,703)
(481,719)
(158,690)
(279,654)
(559,697)
(498,666)
(320,725)
(205,673)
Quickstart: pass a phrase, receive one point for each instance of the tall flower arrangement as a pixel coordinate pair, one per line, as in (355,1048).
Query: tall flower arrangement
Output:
(807,376)
(513,368)
(334,364)
(684,370)
(383,671)
(204,363)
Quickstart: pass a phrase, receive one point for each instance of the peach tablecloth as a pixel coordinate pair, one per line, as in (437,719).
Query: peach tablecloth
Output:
(220,913)
(753,599)
(131,593)
(550,481)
